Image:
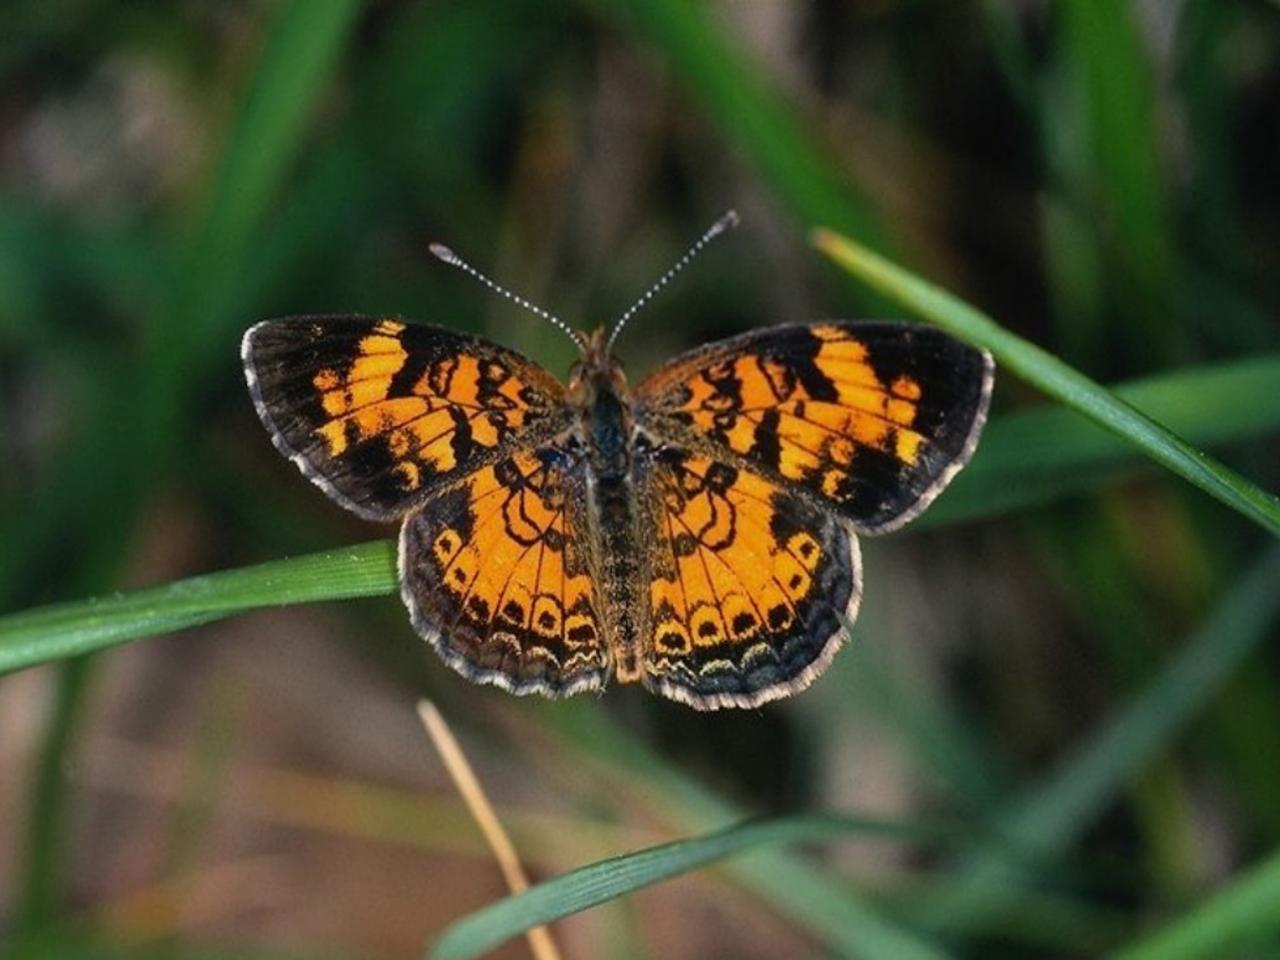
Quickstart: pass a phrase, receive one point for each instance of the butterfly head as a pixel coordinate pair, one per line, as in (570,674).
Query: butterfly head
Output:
(598,369)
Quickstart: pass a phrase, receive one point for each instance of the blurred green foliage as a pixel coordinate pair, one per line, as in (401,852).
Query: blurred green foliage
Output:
(1096,176)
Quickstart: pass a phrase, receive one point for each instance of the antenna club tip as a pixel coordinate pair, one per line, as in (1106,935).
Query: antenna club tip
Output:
(730,219)
(441,252)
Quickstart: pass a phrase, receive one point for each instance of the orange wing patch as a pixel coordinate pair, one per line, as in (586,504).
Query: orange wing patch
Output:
(871,417)
(380,413)
(421,427)
(496,575)
(367,380)
(735,398)
(746,580)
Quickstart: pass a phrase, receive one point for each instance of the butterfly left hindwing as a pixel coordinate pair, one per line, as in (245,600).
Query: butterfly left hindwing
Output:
(498,576)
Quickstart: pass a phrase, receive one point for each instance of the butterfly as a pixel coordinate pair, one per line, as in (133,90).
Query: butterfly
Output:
(696,532)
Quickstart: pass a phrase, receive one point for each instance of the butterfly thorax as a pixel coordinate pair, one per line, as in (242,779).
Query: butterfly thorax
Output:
(598,388)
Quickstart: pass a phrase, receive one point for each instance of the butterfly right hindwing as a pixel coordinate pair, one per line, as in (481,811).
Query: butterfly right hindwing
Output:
(746,580)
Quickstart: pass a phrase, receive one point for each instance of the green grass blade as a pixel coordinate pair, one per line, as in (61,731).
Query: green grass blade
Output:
(301,49)
(1037,455)
(1055,378)
(1077,792)
(607,880)
(1149,722)
(100,482)
(70,629)
(300,52)
(100,479)
(1112,73)
(47,836)
(1247,910)
(788,884)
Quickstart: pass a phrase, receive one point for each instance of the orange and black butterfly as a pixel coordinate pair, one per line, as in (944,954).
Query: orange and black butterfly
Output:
(696,532)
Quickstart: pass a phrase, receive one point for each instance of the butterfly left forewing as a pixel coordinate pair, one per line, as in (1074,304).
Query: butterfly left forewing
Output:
(382,414)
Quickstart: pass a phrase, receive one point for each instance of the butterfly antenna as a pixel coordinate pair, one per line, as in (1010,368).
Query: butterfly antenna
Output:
(441,252)
(730,219)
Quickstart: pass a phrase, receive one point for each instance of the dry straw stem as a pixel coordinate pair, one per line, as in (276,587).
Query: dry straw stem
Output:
(464,778)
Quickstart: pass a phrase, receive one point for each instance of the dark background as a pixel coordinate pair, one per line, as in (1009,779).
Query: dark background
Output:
(1099,176)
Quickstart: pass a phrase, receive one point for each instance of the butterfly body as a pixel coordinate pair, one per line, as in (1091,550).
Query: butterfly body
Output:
(696,532)
(606,436)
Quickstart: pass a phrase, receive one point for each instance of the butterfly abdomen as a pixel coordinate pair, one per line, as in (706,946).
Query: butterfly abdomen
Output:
(608,427)
(614,506)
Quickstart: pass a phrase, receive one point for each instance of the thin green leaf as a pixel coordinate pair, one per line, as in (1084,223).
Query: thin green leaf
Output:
(47,838)
(1034,456)
(1077,792)
(1112,74)
(787,883)
(1247,910)
(100,482)
(301,50)
(607,880)
(70,629)
(1055,378)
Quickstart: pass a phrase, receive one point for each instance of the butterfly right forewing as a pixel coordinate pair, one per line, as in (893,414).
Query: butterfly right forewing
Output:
(871,419)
